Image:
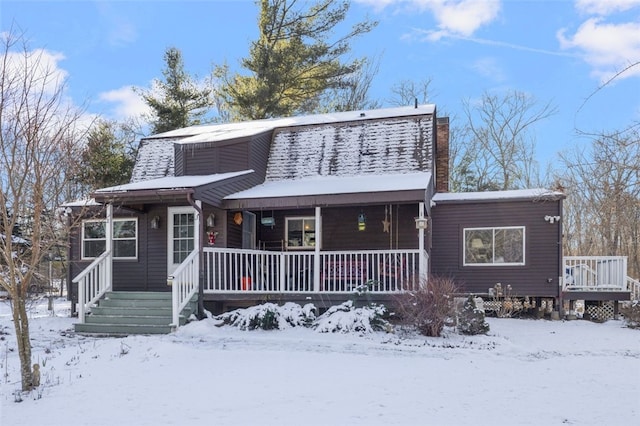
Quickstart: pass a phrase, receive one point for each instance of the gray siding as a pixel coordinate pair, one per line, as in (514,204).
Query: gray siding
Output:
(540,274)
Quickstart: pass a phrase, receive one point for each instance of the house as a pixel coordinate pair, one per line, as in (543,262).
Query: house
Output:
(305,209)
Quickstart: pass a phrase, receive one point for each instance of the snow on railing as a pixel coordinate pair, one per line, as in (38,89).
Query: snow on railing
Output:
(184,284)
(93,282)
(239,270)
(595,273)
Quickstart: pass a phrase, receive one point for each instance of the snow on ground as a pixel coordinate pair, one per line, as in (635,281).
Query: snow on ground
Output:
(524,372)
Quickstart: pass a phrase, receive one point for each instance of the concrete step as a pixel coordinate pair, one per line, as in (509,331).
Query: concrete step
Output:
(135,303)
(156,295)
(131,319)
(121,329)
(128,310)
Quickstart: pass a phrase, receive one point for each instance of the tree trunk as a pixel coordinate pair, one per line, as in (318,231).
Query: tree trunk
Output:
(21,324)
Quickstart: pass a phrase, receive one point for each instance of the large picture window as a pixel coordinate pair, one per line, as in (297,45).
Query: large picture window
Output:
(494,246)
(301,232)
(125,238)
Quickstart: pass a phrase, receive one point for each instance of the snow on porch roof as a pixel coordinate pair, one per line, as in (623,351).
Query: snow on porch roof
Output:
(515,194)
(329,185)
(172,182)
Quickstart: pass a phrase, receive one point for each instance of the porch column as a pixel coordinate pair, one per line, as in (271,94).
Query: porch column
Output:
(316,257)
(421,263)
(109,246)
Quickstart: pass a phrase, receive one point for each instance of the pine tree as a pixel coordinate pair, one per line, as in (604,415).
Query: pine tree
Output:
(294,60)
(177,101)
(471,320)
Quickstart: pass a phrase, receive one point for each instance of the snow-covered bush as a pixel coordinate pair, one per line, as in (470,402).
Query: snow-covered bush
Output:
(429,307)
(346,318)
(269,316)
(631,314)
(471,320)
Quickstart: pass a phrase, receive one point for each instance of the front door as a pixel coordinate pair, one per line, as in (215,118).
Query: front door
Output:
(182,235)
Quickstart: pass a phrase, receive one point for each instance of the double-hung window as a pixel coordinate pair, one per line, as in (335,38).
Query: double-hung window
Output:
(124,237)
(494,246)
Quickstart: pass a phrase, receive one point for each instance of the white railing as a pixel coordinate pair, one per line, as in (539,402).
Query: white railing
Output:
(93,283)
(633,286)
(184,284)
(595,273)
(238,270)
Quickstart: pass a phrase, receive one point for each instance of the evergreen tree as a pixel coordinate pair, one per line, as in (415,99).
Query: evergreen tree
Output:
(293,61)
(177,101)
(471,320)
(107,159)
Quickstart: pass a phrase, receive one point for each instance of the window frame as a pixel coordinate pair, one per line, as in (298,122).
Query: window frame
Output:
(302,246)
(494,230)
(115,240)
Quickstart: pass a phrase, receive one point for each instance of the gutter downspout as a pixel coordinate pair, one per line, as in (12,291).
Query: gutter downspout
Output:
(198,209)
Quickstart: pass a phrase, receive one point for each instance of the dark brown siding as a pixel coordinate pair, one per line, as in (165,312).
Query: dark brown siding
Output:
(540,274)
(340,227)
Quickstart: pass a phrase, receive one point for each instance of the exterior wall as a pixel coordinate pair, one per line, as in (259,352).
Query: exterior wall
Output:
(340,227)
(543,246)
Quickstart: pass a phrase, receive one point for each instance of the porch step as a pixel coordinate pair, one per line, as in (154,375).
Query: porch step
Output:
(129,312)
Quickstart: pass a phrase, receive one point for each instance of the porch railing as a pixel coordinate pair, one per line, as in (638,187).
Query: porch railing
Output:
(93,282)
(262,271)
(595,273)
(184,284)
(633,286)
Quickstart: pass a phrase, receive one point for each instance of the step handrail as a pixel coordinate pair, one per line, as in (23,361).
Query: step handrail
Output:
(93,283)
(184,283)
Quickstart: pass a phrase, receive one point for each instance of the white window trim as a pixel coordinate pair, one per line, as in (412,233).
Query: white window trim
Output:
(286,232)
(129,219)
(494,229)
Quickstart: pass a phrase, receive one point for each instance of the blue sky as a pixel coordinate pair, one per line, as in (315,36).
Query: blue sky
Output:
(557,51)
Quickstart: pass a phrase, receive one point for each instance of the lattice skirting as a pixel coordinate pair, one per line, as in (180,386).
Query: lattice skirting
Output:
(602,312)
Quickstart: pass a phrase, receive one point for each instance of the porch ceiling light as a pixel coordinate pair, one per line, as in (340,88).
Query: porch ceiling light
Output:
(155,222)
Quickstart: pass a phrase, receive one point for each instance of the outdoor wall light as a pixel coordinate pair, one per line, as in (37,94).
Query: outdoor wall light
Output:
(362,222)
(155,222)
(552,219)
(422,222)
(211,220)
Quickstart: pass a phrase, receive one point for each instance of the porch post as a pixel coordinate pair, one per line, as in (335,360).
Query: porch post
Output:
(421,265)
(109,247)
(316,257)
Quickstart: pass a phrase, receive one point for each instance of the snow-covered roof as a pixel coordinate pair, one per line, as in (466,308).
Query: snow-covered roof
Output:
(155,159)
(213,132)
(173,182)
(514,194)
(329,185)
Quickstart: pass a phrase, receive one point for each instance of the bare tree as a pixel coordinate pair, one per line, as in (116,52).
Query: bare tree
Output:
(500,147)
(37,144)
(602,211)
(407,92)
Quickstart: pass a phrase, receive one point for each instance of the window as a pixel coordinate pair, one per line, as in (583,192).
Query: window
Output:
(301,232)
(494,246)
(125,241)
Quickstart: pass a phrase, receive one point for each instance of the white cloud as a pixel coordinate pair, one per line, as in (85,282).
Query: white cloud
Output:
(42,65)
(454,17)
(608,48)
(126,102)
(605,7)
(489,68)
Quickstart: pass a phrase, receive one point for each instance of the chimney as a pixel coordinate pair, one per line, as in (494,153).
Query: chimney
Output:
(442,154)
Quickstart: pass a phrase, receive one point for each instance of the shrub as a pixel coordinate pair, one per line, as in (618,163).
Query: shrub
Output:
(345,318)
(471,320)
(429,307)
(631,314)
(269,316)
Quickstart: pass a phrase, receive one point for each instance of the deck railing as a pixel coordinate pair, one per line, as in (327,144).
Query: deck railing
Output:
(184,284)
(262,271)
(633,286)
(93,282)
(595,273)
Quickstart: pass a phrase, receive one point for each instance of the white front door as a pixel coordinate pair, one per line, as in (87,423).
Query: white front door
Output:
(182,235)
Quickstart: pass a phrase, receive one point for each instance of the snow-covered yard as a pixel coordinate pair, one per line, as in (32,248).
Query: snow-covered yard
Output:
(525,372)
